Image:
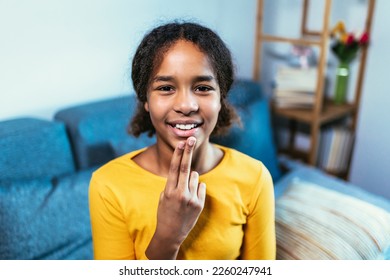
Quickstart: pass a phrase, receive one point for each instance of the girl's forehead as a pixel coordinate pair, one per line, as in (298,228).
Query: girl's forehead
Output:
(183,54)
(184,46)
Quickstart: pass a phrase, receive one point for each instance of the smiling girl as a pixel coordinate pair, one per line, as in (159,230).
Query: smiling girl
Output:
(183,197)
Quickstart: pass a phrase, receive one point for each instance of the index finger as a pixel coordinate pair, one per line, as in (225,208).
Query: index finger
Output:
(185,165)
(174,168)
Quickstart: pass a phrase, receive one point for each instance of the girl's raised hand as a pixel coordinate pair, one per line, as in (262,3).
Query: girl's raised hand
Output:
(180,204)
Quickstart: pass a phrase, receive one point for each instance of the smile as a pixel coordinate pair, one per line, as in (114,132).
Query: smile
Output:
(186,126)
(185,129)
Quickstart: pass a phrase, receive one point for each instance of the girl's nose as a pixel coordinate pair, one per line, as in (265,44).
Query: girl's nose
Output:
(186,103)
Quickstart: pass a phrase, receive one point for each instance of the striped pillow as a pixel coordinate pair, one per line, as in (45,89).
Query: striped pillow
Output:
(314,223)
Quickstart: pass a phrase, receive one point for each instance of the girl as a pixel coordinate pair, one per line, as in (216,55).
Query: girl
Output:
(183,197)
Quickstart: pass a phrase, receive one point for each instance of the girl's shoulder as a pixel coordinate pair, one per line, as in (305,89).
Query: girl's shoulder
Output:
(237,169)
(237,159)
(239,166)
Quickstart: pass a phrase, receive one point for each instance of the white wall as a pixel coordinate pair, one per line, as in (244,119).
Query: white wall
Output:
(371,161)
(55,53)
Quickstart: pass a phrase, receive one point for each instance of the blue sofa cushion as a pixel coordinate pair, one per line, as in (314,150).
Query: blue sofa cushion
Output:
(255,138)
(124,146)
(33,148)
(94,126)
(46,219)
(245,92)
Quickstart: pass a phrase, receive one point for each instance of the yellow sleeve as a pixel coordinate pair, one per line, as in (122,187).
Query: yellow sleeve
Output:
(259,233)
(111,239)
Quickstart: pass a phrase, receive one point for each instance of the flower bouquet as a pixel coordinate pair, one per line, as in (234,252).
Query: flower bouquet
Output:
(347,44)
(345,47)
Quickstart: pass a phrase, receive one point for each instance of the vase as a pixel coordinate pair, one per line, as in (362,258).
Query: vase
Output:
(341,86)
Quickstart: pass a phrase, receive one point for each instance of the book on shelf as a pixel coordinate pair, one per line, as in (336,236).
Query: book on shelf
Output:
(335,149)
(283,98)
(295,87)
(296,79)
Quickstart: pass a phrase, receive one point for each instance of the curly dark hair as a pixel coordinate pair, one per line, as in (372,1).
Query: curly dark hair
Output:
(149,56)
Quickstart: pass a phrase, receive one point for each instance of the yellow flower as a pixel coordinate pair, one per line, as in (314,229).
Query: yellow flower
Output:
(339,28)
(344,38)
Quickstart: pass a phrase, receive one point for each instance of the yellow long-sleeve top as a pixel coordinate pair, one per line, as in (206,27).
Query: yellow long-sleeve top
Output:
(237,221)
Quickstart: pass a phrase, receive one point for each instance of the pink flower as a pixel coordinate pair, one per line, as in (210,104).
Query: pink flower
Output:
(364,39)
(350,39)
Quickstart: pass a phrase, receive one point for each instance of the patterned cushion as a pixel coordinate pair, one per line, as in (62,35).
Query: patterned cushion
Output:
(314,223)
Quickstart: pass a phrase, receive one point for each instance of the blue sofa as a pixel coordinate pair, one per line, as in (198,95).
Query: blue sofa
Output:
(46,166)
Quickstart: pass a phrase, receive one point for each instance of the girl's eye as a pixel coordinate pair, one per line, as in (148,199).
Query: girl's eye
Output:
(203,89)
(165,88)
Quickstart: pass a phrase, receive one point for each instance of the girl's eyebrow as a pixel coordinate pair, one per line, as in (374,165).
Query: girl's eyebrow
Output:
(205,78)
(163,79)
(202,78)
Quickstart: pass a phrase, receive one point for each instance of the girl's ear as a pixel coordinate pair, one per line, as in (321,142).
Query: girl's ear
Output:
(146,106)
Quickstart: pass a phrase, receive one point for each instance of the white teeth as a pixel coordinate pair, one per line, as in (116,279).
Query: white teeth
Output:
(185,126)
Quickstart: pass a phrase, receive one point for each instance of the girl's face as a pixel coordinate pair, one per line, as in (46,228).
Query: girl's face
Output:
(184,96)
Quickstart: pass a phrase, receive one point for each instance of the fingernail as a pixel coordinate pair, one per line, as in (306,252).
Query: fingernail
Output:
(191,141)
(181,145)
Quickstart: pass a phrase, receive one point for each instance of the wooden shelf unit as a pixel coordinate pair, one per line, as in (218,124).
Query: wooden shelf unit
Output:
(323,111)
(329,113)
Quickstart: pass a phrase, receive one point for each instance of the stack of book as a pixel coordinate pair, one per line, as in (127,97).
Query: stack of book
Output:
(295,87)
(335,149)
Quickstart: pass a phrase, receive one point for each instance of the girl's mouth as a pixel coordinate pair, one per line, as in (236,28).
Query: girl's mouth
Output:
(186,126)
(184,130)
